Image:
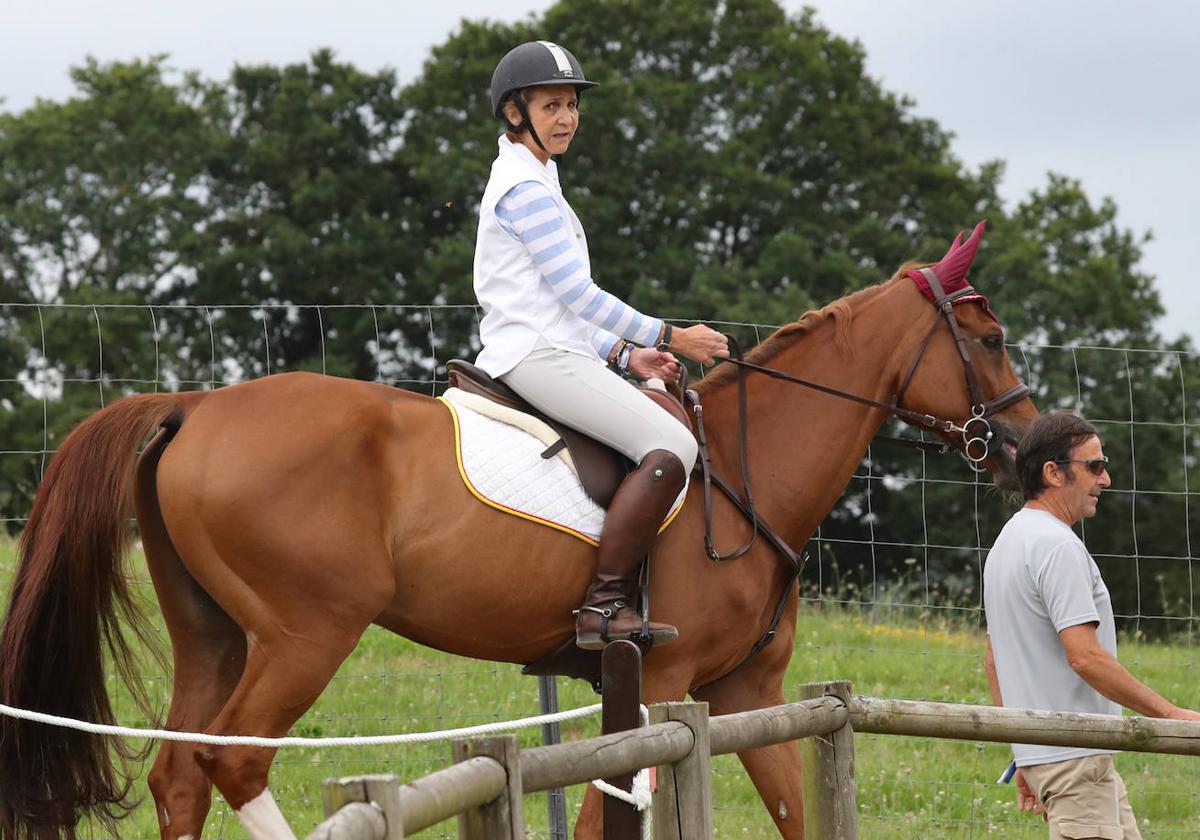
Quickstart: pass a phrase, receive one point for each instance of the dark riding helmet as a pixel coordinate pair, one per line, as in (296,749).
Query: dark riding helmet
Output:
(533,64)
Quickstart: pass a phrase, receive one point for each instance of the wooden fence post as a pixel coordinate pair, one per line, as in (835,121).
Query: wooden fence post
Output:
(504,817)
(378,791)
(621,697)
(830,802)
(683,801)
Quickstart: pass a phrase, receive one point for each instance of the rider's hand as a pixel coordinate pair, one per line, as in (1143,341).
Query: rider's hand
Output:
(700,343)
(648,363)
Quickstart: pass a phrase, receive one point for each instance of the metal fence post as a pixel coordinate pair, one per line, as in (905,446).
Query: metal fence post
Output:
(556,800)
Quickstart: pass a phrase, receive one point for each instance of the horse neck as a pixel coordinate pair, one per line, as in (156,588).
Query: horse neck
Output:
(804,445)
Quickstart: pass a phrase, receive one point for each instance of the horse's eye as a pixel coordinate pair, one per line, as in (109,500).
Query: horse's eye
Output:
(993,342)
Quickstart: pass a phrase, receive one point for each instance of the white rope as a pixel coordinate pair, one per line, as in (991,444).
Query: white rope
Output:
(639,794)
(253,741)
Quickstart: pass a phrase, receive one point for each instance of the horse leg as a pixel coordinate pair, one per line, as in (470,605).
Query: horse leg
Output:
(207,667)
(774,770)
(285,673)
(209,652)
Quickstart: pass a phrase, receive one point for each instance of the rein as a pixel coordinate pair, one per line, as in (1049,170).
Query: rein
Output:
(978,443)
(981,409)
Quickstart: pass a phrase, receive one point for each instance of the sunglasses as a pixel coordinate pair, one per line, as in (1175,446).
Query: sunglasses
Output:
(1096,465)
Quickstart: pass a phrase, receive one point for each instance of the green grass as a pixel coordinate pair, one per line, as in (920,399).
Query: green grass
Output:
(907,787)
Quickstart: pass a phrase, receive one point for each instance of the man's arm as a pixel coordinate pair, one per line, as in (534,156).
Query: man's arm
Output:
(1103,672)
(1026,799)
(989,665)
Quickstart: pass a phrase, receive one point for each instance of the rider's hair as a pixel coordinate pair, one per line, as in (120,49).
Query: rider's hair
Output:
(518,98)
(1050,437)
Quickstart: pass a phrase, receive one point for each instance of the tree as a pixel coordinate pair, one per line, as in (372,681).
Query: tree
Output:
(308,209)
(99,200)
(736,163)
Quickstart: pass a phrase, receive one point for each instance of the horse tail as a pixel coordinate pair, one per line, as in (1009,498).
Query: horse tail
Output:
(70,599)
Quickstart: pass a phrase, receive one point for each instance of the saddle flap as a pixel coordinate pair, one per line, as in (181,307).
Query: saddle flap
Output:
(601,469)
(669,403)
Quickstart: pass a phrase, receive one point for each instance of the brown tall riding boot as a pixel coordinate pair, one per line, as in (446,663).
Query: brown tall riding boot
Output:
(634,517)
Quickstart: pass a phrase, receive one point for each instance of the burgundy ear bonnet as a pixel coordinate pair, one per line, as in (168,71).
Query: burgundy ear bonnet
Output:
(952,270)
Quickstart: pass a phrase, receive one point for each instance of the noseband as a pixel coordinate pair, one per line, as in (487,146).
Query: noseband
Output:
(980,435)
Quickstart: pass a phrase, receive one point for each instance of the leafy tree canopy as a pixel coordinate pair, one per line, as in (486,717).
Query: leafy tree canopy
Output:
(736,163)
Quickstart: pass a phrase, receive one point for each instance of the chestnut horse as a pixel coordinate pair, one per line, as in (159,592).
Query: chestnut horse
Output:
(283,516)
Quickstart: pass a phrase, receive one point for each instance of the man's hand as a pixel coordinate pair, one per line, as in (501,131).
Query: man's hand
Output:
(648,363)
(1026,799)
(1099,669)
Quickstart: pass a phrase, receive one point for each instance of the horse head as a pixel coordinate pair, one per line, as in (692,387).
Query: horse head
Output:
(965,344)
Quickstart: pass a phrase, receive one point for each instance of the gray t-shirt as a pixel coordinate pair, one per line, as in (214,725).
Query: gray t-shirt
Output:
(1039,579)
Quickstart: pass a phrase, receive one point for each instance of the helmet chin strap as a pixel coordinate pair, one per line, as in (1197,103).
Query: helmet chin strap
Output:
(526,123)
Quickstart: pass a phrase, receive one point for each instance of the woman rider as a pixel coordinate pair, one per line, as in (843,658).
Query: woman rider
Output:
(548,329)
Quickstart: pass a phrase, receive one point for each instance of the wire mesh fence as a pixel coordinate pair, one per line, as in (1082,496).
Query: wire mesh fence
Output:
(891,600)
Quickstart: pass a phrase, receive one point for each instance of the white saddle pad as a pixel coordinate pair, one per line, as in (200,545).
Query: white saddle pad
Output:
(502,465)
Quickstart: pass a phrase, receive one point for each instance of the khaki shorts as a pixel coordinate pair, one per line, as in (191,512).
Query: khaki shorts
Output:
(1085,799)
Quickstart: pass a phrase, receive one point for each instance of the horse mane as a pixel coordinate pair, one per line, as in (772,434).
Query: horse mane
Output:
(840,311)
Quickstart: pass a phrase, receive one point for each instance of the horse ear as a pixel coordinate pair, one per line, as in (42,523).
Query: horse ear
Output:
(952,269)
(957,241)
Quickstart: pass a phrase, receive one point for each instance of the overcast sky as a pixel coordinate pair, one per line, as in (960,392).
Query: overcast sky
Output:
(1100,90)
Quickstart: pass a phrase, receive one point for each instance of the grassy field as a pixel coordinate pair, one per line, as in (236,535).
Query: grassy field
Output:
(907,787)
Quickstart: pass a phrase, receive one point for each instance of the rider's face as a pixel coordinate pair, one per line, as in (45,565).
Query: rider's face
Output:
(554,114)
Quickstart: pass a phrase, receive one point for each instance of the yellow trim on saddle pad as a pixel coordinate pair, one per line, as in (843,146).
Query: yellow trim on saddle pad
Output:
(462,472)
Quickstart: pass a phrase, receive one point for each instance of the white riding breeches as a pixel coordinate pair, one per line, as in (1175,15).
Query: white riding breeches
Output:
(586,395)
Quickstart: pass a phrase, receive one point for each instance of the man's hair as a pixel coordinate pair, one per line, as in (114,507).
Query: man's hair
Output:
(1050,437)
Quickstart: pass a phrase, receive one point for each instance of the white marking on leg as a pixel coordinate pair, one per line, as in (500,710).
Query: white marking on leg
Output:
(263,820)
(783,811)
(186,837)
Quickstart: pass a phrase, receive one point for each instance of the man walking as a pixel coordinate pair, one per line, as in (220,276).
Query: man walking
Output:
(1052,642)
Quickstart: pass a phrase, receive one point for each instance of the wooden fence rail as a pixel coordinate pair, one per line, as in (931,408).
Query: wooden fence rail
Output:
(443,794)
(681,738)
(963,722)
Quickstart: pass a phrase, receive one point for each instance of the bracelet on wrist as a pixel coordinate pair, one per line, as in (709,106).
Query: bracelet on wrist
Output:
(623,357)
(620,350)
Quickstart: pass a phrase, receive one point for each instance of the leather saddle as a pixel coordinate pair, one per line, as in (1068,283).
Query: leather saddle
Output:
(601,468)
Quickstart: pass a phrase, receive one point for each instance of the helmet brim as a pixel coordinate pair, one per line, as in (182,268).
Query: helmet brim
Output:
(578,84)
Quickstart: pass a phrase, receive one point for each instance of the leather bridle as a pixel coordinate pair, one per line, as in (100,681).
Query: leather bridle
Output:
(981,437)
(988,438)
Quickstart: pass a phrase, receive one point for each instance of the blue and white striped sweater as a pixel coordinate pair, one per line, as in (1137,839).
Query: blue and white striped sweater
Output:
(529,214)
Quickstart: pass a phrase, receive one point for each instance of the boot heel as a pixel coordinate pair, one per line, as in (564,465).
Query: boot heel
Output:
(590,641)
